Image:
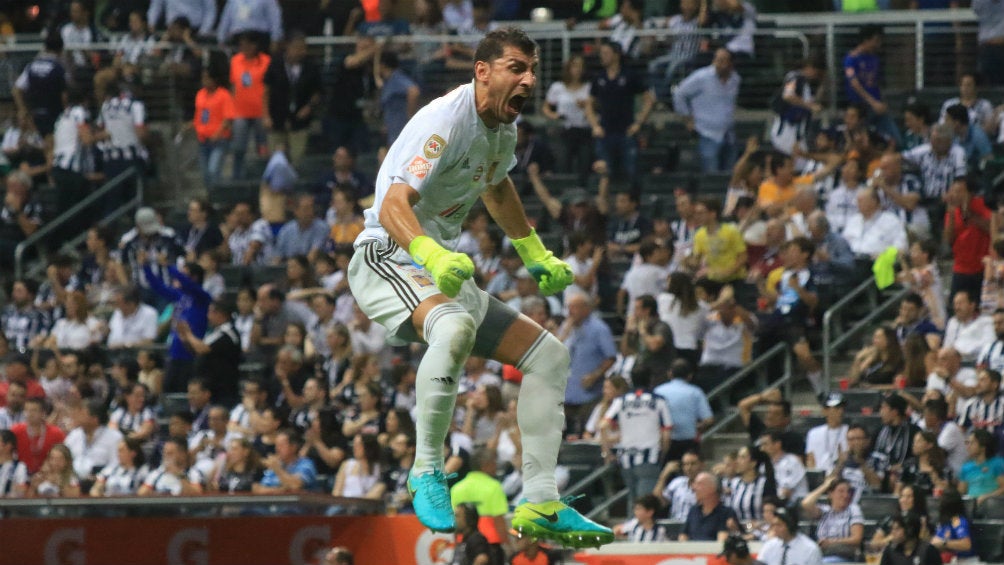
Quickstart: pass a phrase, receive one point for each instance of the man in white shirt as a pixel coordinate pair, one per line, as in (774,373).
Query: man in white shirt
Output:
(992,354)
(967,331)
(872,230)
(788,469)
(825,443)
(92,443)
(648,277)
(678,493)
(951,438)
(789,546)
(133,323)
(949,375)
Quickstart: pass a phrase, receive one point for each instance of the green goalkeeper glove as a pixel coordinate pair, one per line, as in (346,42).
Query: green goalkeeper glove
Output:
(449,269)
(552,274)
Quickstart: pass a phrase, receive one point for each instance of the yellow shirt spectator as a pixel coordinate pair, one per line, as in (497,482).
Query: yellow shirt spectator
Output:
(723,252)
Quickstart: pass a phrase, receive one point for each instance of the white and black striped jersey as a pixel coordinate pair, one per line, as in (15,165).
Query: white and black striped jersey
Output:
(241,238)
(982,414)
(68,152)
(992,356)
(836,525)
(13,474)
(7,419)
(681,498)
(120,116)
(937,173)
(746,499)
(120,481)
(638,533)
(165,241)
(129,422)
(163,482)
(641,417)
(132,49)
(892,446)
(20,325)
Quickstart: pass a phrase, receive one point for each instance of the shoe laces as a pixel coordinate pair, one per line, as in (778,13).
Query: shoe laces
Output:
(440,497)
(568,500)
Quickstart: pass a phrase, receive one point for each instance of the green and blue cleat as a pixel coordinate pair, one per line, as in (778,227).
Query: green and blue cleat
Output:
(431,500)
(558,522)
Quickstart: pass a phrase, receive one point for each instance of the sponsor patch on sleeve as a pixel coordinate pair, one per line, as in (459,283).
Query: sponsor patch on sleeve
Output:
(434,147)
(419,167)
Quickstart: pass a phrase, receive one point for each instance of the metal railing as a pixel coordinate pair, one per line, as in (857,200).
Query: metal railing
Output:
(89,201)
(834,345)
(769,356)
(866,287)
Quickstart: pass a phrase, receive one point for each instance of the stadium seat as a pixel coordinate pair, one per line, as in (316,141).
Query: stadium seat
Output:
(858,399)
(173,402)
(267,274)
(235,276)
(878,507)
(673,528)
(815,477)
(988,537)
(580,453)
(992,508)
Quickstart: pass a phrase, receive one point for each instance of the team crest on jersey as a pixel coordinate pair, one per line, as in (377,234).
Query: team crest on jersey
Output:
(434,147)
(478,172)
(422,280)
(419,167)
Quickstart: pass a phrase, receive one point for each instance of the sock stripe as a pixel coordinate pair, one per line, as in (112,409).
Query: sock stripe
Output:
(438,312)
(533,347)
(400,287)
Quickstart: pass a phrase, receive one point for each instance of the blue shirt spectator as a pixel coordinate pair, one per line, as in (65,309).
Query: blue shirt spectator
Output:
(303,235)
(708,96)
(981,478)
(592,350)
(250,15)
(865,67)
(279,174)
(398,96)
(201,14)
(956,529)
(286,471)
(191,304)
(687,404)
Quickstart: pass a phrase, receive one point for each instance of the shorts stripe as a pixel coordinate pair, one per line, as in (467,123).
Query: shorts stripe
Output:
(400,287)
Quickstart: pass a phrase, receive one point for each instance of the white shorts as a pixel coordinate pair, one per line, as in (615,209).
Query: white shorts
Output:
(388,292)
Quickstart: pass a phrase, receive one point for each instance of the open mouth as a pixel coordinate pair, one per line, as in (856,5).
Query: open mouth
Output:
(516,103)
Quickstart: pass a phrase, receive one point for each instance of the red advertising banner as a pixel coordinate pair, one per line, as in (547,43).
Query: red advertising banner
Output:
(245,540)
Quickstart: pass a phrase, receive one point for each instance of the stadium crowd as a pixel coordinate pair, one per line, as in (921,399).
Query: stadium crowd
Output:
(225,353)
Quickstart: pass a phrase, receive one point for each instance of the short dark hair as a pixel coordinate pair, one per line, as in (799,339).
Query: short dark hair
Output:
(804,244)
(97,408)
(7,437)
(493,45)
(993,375)
(292,436)
(920,110)
(647,301)
(54,41)
(130,294)
(958,113)
(199,382)
(681,369)
(185,416)
(390,59)
(869,31)
(914,298)
(648,502)
(895,402)
(223,306)
(713,204)
(778,160)
(938,407)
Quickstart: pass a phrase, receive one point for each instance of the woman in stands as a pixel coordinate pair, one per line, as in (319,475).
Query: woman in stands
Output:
(173,477)
(875,366)
(680,309)
(918,358)
(359,477)
(78,329)
(754,482)
(296,335)
(133,418)
(841,526)
(397,421)
(483,411)
(982,475)
(566,100)
(299,274)
(952,538)
(613,387)
(125,477)
(240,470)
(332,368)
(928,469)
(911,501)
(747,174)
(56,477)
(365,368)
(367,415)
(924,278)
(151,371)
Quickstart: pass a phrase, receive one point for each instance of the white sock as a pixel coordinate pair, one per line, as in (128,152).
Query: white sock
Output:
(449,331)
(541,414)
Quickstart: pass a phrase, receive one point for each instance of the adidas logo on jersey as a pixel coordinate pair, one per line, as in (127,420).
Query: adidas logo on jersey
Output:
(447,380)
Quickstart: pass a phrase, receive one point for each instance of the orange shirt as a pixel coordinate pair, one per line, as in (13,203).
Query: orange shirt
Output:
(522,559)
(345,234)
(211,108)
(248,79)
(771,193)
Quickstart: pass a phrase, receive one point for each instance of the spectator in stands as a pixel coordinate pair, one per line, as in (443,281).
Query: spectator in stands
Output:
(872,230)
(990,36)
(688,407)
(133,323)
(991,356)
(788,544)
(940,161)
(20,320)
(685,44)
(13,412)
(911,502)
(893,441)
(797,105)
(678,306)
(23,146)
(709,519)
(678,494)
(286,471)
(303,235)
(366,336)
(250,240)
(126,476)
(912,321)
(751,488)
(841,524)
(199,396)
(35,437)
(863,75)
(707,98)
(643,527)
(971,137)
(565,101)
(200,13)
(967,229)
(917,121)
(967,331)
(40,90)
(399,94)
(133,419)
(924,278)
(200,235)
(79,33)
(240,471)
(986,410)
(592,351)
(344,174)
(610,111)
(928,469)
(175,476)
(719,251)
(150,239)
(385,25)
(484,491)
(72,158)
(218,354)
(979,111)
(901,194)
(776,418)
(292,95)
(344,124)
(471,547)
(825,442)
(360,476)
(614,387)
(646,278)
(120,140)
(788,469)
(735,20)
(20,216)
(982,475)
(531,147)
(259,20)
(952,536)
(728,330)
(833,261)
(907,543)
(92,443)
(13,473)
(214,115)
(56,478)
(247,78)
(876,365)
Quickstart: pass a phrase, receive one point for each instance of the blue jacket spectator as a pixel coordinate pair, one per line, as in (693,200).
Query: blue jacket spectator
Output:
(201,14)
(286,470)
(191,306)
(264,16)
(303,235)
